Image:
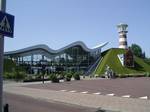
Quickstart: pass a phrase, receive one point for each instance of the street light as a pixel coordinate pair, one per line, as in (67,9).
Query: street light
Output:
(43,65)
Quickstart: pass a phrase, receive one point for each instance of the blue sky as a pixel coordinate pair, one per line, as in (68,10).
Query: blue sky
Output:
(61,22)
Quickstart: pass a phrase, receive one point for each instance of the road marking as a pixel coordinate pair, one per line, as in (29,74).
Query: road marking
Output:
(63,90)
(126,96)
(144,97)
(112,94)
(84,92)
(98,93)
(73,91)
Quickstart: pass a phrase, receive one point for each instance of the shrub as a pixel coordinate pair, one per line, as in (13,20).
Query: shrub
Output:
(138,75)
(37,76)
(8,75)
(76,76)
(147,74)
(68,76)
(53,78)
(29,77)
(122,76)
(60,76)
(19,75)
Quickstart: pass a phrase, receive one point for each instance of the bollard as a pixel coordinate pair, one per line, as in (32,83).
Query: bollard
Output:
(6,108)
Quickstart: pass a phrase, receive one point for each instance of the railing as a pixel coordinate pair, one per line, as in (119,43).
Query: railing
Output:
(91,69)
(98,64)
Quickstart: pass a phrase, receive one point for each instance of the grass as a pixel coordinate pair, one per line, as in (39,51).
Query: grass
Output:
(111,59)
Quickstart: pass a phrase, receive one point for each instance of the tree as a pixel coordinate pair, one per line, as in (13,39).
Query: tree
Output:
(136,49)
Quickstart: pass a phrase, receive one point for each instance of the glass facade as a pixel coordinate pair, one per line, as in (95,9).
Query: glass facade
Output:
(70,58)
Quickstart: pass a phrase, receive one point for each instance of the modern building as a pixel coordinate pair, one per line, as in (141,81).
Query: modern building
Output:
(73,57)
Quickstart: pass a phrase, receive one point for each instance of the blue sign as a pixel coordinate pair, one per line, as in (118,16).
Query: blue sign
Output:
(6,24)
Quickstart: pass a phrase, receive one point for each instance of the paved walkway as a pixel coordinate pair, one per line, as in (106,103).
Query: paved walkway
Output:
(126,87)
(90,100)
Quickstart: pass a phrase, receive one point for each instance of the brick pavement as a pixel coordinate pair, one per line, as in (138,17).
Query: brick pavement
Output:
(105,102)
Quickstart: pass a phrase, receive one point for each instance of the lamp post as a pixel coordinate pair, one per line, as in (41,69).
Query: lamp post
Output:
(43,65)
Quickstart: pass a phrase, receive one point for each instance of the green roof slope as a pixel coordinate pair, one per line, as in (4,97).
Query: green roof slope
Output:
(111,59)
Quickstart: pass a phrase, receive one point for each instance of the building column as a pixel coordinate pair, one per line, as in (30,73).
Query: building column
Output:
(32,58)
(42,57)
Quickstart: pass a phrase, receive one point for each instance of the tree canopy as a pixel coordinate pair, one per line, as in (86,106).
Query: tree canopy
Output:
(137,50)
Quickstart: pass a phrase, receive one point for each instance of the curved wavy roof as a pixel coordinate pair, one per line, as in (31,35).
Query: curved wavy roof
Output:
(46,48)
